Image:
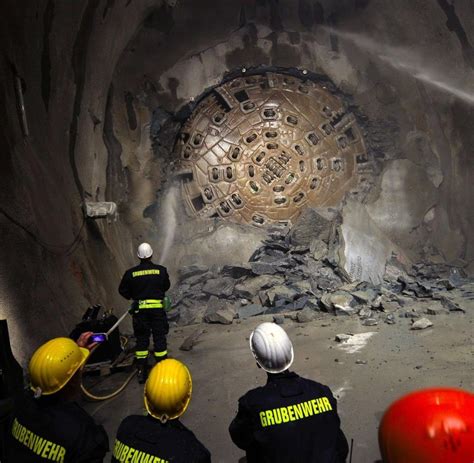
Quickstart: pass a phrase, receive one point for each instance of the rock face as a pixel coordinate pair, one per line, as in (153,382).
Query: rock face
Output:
(393,212)
(366,248)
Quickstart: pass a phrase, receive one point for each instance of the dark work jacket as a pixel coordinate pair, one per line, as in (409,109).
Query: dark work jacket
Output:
(270,428)
(168,442)
(44,429)
(143,287)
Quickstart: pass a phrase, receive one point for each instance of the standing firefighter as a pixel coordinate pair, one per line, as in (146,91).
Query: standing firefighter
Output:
(160,437)
(146,284)
(290,419)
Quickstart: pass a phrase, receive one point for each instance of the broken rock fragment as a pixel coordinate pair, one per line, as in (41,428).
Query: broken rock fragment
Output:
(421,324)
(278,319)
(250,310)
(251,286)
(221,287)
(305,316)
(191,340)
(340,298)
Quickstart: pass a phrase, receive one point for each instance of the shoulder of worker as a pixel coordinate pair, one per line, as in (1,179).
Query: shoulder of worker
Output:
(151,430)
(314,385)
(288,383)
(252,397)
(148,264)
(135,422)
(74,413)
(158,266)
(195,446)
(64,421)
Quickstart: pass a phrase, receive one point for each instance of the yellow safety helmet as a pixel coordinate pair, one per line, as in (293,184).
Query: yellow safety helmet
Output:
(168,390)
(54,364)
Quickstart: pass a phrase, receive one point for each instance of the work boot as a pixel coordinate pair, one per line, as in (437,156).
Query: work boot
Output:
(142,370)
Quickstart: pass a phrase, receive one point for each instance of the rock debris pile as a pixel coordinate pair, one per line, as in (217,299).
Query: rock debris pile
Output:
(296,275)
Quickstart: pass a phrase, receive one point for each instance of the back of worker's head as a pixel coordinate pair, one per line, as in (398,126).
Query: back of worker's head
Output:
(144,251)
(54,364)
(168,390)
(271,347)
(429,426)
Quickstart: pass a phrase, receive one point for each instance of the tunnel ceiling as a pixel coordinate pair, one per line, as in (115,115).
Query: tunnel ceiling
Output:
(259,149)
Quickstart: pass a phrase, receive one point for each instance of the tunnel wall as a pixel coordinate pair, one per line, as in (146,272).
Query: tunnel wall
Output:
(53,263)
(94,73)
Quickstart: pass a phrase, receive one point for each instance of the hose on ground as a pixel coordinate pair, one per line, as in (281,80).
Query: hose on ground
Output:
(124,385)
(112,394)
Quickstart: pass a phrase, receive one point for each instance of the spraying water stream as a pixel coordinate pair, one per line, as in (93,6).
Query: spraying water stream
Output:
(168,220)
(410,62)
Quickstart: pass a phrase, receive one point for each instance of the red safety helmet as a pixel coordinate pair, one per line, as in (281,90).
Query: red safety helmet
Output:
(429,426)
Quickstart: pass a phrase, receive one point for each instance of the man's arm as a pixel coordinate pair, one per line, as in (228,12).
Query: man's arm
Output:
(342,447)
(241,429)
(124,287)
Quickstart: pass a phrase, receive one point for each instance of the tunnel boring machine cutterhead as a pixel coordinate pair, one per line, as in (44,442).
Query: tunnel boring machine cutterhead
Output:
(259,149)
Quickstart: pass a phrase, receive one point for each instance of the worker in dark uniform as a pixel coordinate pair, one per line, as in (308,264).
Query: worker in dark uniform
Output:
(146,284)
(51,426)
(159,436)
(290,419)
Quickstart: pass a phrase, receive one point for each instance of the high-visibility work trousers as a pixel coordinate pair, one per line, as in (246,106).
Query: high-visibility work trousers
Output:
(154,322)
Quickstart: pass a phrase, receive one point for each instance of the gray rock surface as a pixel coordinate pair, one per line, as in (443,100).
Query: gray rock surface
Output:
(279,292)
(305,316)
(219,286)
(224,316)
(279,319)
(421,324)
(309,225)
(250,310)
(250,287)
(342,299)
(189,271)
(192,339)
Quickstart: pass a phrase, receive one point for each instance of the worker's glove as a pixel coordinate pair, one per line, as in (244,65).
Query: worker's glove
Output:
(134,308)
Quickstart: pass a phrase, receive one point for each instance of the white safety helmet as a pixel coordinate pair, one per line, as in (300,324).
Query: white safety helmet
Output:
(144,251)
(271,347)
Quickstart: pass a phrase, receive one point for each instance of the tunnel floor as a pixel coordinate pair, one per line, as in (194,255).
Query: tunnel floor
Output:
(376,366)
